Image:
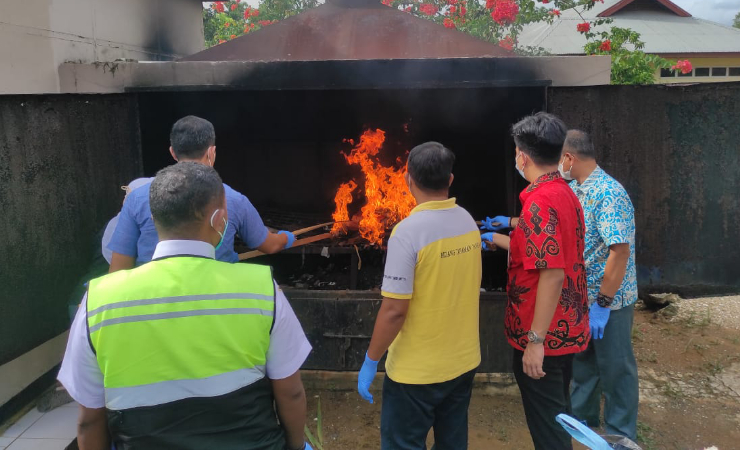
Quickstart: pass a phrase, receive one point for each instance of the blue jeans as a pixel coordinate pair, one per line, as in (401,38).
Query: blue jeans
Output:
(411,410)
(608,367)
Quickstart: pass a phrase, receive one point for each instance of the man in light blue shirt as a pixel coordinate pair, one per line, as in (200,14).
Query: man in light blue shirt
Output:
(608,365)
(135,238)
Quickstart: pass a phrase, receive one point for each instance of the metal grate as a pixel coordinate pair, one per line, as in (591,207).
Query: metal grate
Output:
(280,219)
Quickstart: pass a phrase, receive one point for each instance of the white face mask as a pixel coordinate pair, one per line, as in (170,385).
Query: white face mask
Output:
(563,173)
(516,166)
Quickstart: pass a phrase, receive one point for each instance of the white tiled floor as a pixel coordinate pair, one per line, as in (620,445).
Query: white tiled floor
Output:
(42,431)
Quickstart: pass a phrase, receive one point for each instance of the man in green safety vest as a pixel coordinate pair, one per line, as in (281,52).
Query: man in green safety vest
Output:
(187,352)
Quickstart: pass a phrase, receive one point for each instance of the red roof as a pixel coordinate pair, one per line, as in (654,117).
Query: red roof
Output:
(667,3)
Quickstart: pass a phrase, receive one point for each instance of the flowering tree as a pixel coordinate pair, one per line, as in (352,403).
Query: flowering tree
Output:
(497,21)
(226,20)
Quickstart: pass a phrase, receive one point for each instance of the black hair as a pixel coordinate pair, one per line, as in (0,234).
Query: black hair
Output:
(579,142)
(430,165)
(184,194)
(191,136)
(541,137)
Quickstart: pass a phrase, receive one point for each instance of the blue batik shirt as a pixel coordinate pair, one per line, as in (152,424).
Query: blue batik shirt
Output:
(610,219)
(136,236)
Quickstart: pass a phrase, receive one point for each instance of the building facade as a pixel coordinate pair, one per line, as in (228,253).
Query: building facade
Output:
(37,37)
(666,29)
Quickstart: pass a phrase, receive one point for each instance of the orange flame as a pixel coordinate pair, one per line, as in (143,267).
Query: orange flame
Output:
(388,198)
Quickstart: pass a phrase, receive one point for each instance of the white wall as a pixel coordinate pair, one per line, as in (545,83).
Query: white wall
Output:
(36,36)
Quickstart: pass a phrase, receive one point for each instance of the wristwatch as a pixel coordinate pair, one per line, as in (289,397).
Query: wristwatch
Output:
(604,300)
(534,338)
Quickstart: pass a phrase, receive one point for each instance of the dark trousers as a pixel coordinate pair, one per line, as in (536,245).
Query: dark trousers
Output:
(608,367)
(545,398)
(411,410)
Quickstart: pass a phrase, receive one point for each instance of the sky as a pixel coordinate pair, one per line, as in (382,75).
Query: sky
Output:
(720,11)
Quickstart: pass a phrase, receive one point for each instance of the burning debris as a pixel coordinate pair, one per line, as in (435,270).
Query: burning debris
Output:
(387,199)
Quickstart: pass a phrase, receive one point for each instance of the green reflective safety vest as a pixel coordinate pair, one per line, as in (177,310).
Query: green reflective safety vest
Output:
(182,345)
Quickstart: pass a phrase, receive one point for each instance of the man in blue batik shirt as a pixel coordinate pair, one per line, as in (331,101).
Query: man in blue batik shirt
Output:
(608,365)
(135,238)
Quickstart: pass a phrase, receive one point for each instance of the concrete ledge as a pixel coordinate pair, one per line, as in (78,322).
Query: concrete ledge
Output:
(484,384)
(335,74)
(19,373)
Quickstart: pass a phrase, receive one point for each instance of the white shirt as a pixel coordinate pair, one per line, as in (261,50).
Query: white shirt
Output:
(81,375)
(107,236)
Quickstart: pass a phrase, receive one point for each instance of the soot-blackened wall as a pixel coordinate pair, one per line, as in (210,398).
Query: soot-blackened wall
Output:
(677,152)
(63,159)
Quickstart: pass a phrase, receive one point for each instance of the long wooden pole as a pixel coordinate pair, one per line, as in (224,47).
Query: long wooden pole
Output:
(298,243)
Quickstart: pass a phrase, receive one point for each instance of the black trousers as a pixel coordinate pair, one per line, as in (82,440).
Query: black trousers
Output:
(545,398)
(411,410)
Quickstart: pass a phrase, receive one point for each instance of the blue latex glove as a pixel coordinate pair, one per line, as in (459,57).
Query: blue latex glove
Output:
(582,433)
(598,316)
(308,446)
(367,375)
(498,223)
(291,238)
(486,237)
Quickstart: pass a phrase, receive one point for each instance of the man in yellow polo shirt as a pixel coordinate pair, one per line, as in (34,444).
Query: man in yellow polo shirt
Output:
(428,321)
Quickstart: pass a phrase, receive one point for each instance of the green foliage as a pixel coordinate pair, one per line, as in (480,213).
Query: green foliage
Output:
(736,22)
(317,440)
(630,65)
(227,20)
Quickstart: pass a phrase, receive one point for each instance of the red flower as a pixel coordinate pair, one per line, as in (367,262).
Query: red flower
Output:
(232,36)
(233,7)
(227,25)
(387,2)
(218,6)
(606,46)
(428,9)
(409,9)
(221,41)
(448,23)
(555,12)
(684,66)
(545,1)
(507,43)
(452,10)
(247,12)
(463,10)
(583,27)
(255,13)
(505,12)
(451,2)
(490,4)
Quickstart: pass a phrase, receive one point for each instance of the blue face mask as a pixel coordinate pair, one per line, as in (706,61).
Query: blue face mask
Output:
(521,171)
(222,234)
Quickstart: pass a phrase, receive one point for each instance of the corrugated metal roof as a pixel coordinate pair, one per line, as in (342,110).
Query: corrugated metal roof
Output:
(661,31)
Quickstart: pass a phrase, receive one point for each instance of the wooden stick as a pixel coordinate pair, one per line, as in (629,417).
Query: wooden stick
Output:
(298,243)
(311,228)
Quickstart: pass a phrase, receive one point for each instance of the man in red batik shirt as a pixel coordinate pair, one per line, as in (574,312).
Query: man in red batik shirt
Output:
(547,312)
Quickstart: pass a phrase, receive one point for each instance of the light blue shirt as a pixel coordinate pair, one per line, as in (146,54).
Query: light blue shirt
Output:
(610,219)
(136,236)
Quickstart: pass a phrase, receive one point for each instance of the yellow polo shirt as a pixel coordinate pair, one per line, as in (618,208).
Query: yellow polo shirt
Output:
(434,261)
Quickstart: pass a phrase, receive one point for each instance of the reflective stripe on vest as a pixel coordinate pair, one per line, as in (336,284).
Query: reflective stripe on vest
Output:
(180,327)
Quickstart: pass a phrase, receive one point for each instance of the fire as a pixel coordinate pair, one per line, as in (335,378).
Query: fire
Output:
(388,200)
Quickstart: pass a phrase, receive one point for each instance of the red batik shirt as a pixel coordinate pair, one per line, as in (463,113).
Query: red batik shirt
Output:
(550,235)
